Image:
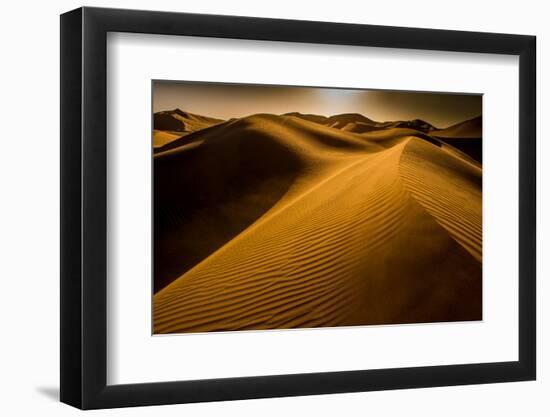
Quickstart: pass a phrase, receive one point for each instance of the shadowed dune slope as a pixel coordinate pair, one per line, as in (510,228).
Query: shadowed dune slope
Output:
(449,188)
(358,123)
(468,129)
(334,228)
(222,179)
(172,124)
(465,136)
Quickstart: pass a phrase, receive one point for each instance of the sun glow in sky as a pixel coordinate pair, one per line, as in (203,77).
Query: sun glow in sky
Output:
(226,101)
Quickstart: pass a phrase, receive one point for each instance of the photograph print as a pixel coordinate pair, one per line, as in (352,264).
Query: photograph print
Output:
(286,207)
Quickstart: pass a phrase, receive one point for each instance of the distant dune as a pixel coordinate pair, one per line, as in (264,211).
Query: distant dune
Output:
(465,136)
(358,123)
(468,129)
(173,124)
(299,220)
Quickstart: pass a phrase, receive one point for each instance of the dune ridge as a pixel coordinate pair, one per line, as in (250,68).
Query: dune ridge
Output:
(332,246)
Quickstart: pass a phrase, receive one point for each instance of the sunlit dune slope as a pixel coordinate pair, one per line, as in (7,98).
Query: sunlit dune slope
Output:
(162,137)
(282,222)
(222,179)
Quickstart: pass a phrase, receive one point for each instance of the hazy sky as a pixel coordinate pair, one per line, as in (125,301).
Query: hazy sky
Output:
(225,101)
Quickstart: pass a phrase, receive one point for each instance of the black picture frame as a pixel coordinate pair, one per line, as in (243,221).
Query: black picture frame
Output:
(84,207)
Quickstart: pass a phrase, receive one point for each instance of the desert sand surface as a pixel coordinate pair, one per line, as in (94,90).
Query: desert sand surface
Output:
(300,221)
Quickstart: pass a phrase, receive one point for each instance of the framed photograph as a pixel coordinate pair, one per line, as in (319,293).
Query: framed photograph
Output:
(258,208)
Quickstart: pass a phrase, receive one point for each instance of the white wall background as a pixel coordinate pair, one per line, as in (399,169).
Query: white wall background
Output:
(29,211)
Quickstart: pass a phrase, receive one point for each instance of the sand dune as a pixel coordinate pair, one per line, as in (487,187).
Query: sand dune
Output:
(468,129)
(286,221)
(449,188)
(181,121)
(359,127)
(465,136)
(337,121)
(416,124)
(173,124)
(162,137)
(358,123)
(207,194)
